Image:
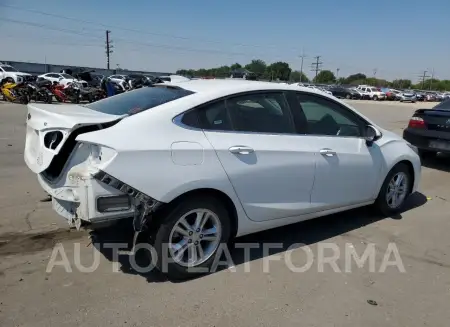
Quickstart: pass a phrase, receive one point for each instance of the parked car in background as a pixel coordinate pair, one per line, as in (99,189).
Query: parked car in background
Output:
(373,92)
(342,92)
(364,95)
(62,78)
(420,96)
(429,129)
(390,95)
(408,96)
(9,71)
(288,154)
(430,96)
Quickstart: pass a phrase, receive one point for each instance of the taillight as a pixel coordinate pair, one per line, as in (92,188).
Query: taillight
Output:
(416,122)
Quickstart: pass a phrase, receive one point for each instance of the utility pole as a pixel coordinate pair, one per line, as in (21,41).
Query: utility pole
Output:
(301,66)
(423,78)
(109,47)
(317,65)
(432,77)
(375,72)
(337,73)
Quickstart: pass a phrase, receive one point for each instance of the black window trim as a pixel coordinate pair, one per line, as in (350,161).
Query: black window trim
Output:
(346,112)
(178,118)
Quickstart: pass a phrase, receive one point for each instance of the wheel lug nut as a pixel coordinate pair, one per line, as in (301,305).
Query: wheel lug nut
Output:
(196,243)
(201,235)
(198,230)
(189,241)
(190,233)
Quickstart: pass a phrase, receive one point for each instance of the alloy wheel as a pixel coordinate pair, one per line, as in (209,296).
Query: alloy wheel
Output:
(195,237)
(397,190)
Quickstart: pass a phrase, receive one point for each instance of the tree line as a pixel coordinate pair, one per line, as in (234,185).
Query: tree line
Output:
(280,71)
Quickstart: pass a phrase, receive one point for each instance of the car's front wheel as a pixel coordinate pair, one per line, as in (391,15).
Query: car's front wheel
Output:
(190,235)
(395,190)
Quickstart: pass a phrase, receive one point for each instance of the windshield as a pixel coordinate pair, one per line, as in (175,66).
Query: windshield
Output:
(67,76)
(132,102)
(9,69)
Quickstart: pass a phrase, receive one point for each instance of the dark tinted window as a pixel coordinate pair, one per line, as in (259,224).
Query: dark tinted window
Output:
(326,117)
(138,100)
(190,118)
(264,113)
(215,117)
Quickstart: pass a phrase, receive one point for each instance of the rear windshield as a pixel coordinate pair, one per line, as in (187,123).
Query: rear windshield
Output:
(135,101)
(444,105)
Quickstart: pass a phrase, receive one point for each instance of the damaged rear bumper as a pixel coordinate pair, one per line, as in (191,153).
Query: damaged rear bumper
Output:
(84,198)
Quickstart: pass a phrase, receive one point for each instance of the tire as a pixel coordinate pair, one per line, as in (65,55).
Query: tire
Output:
(23,99)
(49,99)
(382,203)
(375,98)
(348,96)
(162,236)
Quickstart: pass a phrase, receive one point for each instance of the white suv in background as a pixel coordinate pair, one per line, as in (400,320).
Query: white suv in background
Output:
(10,71)
(373,92)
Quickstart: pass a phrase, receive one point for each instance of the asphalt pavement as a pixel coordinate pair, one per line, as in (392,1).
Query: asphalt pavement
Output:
(258,291)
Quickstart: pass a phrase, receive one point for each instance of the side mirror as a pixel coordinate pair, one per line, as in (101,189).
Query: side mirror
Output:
(372,134)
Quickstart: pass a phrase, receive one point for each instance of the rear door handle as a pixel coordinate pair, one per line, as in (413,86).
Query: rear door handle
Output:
(327,152)
(239,149)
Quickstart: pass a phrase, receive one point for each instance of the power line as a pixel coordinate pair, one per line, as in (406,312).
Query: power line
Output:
(52,28)
(317,65)
(108,26)
(155,45)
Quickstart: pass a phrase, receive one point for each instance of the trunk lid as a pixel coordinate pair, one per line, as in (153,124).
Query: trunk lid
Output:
(435,119)
(52,129)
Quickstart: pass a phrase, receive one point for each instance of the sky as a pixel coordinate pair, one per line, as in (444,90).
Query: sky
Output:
(393,39)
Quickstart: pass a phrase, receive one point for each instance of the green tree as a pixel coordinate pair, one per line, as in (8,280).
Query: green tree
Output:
(401,83)
(355,77)
(325,76)
(235,66)
(296,76)
(278,71)
(257,67)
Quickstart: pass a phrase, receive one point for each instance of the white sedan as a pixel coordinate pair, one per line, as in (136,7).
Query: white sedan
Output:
(204,161)
(62,78)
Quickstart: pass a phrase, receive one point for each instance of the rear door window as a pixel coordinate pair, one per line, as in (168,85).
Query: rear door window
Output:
(260,113)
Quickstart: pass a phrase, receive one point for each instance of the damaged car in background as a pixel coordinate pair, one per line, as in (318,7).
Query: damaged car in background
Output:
(198,163)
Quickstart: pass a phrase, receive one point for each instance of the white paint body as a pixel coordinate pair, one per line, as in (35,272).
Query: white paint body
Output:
(62,79)
(285,180)
(10,71)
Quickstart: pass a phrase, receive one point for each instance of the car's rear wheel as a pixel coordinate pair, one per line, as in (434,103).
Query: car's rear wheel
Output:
(188,239)
(395,190)
(375,98)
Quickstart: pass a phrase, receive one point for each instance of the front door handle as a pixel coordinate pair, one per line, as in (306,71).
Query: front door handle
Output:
(239,149)
(327,152)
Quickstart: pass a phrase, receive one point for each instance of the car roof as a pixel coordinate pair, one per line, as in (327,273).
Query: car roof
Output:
(223,87)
